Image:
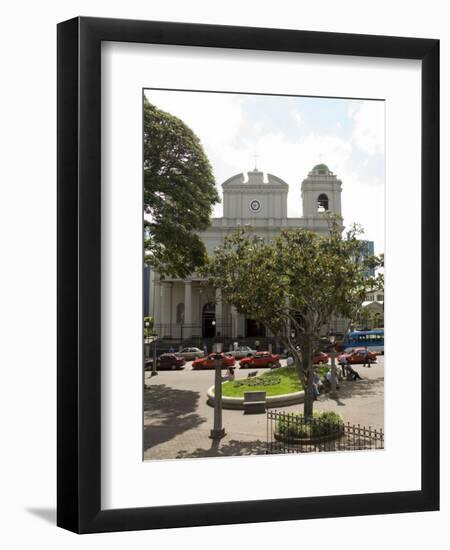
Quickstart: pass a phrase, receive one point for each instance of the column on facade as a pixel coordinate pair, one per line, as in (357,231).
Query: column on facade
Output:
(165,309)
(187,331)
(237,323)
(219,313)
(289,324)
(234,322)
(337,208)
(241,325)
(156,298)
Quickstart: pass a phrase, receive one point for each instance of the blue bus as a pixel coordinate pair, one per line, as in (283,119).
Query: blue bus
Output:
(372,339)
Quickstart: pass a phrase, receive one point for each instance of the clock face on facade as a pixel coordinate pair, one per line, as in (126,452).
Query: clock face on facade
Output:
(254,205)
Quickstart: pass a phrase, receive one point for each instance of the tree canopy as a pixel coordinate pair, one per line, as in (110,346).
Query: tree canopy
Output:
(294,284)
(179,192)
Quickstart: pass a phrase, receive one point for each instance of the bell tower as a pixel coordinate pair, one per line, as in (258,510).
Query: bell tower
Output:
(321,192)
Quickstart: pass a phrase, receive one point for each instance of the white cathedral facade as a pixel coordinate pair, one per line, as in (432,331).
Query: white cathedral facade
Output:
(182,309)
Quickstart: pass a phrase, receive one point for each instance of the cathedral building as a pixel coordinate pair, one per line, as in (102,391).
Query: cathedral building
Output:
(182,309)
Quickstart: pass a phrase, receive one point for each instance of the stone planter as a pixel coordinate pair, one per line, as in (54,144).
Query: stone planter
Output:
(271,401)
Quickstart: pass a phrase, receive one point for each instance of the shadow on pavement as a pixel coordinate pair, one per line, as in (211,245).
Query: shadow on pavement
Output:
(230,448)
(169,412)
(358,388)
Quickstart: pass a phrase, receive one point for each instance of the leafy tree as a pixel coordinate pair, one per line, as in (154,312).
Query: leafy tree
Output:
(148,326)
(370,318)
(294,284)
(179,192)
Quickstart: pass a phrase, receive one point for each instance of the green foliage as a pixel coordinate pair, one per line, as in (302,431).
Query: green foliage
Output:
(179,192)
(278,382)
(321,424)
(370,318)
(297,282)
(330,416)
(148,326)
(268,379)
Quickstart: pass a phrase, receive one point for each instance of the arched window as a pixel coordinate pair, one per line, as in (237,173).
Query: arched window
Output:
(180,313)
(322,203)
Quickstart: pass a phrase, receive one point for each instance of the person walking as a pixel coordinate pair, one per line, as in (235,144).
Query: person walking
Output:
(343,364)
(366,357)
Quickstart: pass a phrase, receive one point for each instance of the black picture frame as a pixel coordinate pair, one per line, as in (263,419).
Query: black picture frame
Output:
(79,275)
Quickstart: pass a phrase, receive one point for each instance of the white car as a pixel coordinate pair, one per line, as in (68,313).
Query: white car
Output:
(242,351)
(191,353)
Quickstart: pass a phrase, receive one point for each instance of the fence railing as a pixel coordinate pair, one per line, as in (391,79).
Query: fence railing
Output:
(292,433)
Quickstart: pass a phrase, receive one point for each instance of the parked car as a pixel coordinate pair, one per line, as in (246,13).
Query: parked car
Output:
(260,359)
(242,351)
(166,361)
(320,358)
(210,361)
(357,356)
(191,353)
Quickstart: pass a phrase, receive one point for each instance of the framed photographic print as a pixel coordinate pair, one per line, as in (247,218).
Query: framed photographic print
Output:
(248,231)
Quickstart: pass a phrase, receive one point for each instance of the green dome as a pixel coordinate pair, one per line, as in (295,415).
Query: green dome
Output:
(321,168)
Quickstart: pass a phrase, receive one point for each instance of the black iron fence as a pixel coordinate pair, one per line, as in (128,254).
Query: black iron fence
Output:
(293,433)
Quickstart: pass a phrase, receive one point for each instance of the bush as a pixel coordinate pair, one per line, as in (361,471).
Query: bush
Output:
(269,379)
(321,424)
(278,382)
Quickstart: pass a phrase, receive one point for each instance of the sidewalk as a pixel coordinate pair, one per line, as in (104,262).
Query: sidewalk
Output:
(177,419)
(361,401)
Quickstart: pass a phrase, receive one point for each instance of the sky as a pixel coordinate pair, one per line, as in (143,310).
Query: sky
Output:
(289,135)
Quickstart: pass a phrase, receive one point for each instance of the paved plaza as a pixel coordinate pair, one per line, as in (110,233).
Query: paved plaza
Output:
(177,419)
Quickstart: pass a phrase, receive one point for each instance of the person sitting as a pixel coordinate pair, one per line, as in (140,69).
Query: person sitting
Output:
(328,379)
(352,373)
(316,385)
(230,372)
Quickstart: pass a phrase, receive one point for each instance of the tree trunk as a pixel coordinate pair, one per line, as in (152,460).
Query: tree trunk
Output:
(308,370)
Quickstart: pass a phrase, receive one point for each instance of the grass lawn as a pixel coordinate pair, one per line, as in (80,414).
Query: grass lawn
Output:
(275,382)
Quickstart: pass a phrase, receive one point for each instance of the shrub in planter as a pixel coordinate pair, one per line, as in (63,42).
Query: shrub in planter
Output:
(320,425)
(263,380)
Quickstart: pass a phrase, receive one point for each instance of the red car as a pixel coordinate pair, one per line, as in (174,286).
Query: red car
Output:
(260,359)
(357,356)
(209,362)
(320,358)
(166,361)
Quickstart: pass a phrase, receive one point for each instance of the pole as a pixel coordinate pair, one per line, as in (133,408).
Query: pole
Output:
(333,373)
(154,371)
(218,431)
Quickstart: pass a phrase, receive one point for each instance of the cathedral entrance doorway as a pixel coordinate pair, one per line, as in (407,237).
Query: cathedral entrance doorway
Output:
(254,329)
(209,321)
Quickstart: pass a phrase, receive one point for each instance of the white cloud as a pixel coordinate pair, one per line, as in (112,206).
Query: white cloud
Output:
(215,118)
(298,117)
(368,132)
